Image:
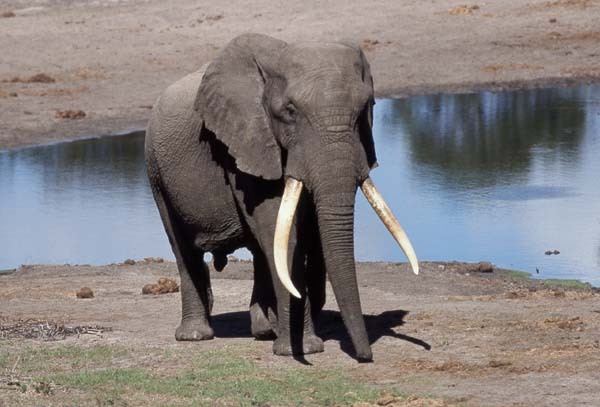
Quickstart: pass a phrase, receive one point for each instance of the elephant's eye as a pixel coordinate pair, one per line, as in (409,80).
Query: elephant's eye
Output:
(289,113)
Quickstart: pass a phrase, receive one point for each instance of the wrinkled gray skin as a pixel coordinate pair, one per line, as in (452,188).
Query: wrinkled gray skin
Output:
(219,146)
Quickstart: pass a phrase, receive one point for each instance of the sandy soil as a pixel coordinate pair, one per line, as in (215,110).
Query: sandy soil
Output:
(483,339)
(111,59)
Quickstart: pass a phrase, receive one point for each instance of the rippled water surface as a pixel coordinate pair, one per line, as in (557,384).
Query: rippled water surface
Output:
(490,176)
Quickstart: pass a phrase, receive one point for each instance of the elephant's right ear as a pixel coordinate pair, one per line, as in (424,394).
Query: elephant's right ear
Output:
(366,118)
(230,104)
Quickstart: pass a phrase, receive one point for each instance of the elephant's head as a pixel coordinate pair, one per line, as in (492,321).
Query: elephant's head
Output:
(303,112)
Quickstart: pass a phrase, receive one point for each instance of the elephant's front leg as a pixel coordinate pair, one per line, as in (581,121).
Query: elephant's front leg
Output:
(295,329)
(315,275)
(263,321)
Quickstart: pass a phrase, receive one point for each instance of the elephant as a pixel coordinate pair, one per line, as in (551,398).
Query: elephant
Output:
(265,148)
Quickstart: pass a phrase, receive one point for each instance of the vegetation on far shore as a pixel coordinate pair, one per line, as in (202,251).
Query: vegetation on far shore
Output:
(517,274)
(551,282)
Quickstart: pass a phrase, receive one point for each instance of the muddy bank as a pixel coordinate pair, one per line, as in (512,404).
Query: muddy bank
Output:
(456,331)
(73,69)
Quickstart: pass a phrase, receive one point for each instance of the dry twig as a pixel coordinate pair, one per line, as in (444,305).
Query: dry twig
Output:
(47,330)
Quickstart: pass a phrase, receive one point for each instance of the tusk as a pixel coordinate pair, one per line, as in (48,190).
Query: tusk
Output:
(389,220)
(285,217)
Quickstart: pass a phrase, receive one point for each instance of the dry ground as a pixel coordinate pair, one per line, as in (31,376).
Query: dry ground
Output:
(465,338)
(111,59)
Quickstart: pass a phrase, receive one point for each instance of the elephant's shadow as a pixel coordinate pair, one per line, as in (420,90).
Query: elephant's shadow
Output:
(329,326)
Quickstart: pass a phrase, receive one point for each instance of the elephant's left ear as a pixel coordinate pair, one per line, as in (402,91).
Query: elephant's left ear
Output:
(230,104)
(366,117)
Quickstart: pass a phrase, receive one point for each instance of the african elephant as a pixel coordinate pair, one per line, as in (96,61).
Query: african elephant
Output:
(265,148)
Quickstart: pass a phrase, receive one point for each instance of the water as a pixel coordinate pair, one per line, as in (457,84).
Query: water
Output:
(79,202)
(490,176)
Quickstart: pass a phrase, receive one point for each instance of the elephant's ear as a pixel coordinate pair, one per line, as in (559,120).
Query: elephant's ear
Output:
(230,104)
(366,116)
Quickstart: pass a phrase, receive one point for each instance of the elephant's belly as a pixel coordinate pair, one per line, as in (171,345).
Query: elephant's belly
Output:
(211,223)
(204,205)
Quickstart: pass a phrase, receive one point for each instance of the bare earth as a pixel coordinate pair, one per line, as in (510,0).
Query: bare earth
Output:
(111,59)
(477,339)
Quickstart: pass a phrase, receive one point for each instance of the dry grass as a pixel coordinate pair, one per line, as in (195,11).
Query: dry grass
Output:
(568,3)
(581,71)
(495,68)
(70,114)
(410,401)
(463,10)
(37,78)
(88,73)
(368,45)
(580,36)
(55,92)
(569,324)
(46,330)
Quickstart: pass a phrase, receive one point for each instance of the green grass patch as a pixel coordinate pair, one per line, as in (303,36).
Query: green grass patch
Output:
(68,357)
(53,374)
(567,283)
(518,274)
(7,271)
(219,377)
(114,377)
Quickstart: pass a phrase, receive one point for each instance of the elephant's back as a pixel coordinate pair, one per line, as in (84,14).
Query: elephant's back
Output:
(171,126)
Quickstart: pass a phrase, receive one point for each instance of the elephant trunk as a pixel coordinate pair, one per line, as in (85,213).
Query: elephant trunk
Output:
(334,196)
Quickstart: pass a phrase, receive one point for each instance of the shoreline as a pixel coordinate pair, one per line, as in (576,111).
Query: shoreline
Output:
(462,267)
(90,133)
(84,137)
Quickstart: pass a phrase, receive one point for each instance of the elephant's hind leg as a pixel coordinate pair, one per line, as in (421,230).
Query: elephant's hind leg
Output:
(196,301)
(196,293)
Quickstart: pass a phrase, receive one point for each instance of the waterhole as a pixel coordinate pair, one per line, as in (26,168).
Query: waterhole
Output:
(502,177)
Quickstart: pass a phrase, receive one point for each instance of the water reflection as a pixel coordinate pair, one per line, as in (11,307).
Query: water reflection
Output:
(489,139)
(492,176)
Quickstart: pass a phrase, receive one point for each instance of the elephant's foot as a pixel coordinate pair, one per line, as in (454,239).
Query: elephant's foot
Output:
(259,324)
(194,330)
(310,344)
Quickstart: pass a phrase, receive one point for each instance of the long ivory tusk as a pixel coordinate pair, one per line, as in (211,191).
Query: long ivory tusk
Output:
(285,217)
(389,220)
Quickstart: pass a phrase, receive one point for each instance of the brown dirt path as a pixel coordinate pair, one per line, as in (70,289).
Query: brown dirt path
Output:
(112,59)
(483,339)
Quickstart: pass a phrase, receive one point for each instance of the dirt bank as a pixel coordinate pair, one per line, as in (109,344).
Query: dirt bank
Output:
(110,59)
(452,333)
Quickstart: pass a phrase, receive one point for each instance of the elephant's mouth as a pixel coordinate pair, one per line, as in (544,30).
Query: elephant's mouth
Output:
(287,209)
